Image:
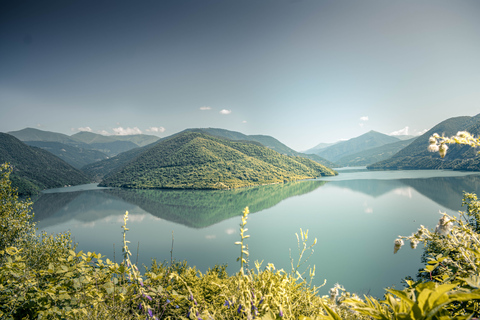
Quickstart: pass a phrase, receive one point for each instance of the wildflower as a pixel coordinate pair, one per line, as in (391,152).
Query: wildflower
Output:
(190,297)
(432,140)
(147,296)
(239,308)
(333,293)
(463,134)
(140,306)
(176,307)
(150,313)
(398,243)
(280,314)
(444,226)
(261,300)
(168,301)
(433,148)
(443,150)
(413,243)
(227,304)
(141,282)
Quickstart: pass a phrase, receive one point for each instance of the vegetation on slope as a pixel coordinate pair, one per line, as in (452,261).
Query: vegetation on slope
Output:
(373,155)
(369,140)
(200,161)
(416,155)
(77,157)
(35,169)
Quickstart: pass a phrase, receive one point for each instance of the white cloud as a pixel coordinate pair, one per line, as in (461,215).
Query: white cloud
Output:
(225,111)
(401,132)
(210,236)
(156,129)
(205,108)
(88,129)
(104,132)
(125,132)
(364,118)
(244,121)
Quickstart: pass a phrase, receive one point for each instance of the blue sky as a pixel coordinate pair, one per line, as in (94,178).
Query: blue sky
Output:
(304,72)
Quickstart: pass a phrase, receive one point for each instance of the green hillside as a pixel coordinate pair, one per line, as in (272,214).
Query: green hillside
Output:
(35,169)
(369,140)
(199,161)
(31,134)
(267,141)
(373,155)
(77,157)
(416,155)
(139,140)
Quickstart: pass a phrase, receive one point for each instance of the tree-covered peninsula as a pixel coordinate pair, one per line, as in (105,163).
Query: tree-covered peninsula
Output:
(198,161)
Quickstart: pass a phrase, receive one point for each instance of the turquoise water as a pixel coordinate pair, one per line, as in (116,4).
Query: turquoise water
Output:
(355,216)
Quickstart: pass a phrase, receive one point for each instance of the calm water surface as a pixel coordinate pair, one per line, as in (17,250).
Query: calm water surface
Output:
(355,216)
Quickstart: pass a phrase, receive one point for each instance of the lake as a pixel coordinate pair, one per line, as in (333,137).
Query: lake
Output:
(355,216)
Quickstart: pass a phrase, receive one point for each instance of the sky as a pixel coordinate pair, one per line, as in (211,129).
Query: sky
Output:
(303,71)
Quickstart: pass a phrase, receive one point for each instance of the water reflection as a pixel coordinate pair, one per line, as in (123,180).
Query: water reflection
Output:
(195,209)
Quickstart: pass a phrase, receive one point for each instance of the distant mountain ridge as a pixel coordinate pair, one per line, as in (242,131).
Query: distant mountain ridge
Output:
(193,160)
(416,155)
(370,156)
(369,140)
(35,169)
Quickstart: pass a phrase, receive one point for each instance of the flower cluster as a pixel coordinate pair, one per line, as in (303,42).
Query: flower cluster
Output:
(439,143)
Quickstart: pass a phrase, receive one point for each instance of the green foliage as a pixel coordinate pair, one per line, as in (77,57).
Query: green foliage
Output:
(198,161)
(35,169)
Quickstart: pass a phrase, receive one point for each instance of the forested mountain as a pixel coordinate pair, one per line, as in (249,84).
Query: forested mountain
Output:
(369,140)
(373,155)
(99,170)
(109,145)
(77,157)
(139,140)
(194,160)
(31,134)
(35,169)
(416,156)
(267,141)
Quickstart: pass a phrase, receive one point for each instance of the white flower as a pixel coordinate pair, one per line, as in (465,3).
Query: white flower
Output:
(444,226)
(443,150)
(463,134)
(413,243)
(433,148)
(398,243)
(432,140)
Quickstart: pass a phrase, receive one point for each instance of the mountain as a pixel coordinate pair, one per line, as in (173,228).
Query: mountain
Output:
(416,156)
(194,160)
(139,140)
(31,134)
(373,155)
(99,170)
(109,145)
(319,147)
(35,169)
(366,141)
(77,157)
(267,141)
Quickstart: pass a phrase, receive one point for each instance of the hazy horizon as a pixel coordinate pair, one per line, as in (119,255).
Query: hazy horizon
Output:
(305,72)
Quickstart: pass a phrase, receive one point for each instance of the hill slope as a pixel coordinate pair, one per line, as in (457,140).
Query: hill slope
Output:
(267,141)
(77,157)
(373,155)
(416,156)
(366,141)
(199,161)
(35,169)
